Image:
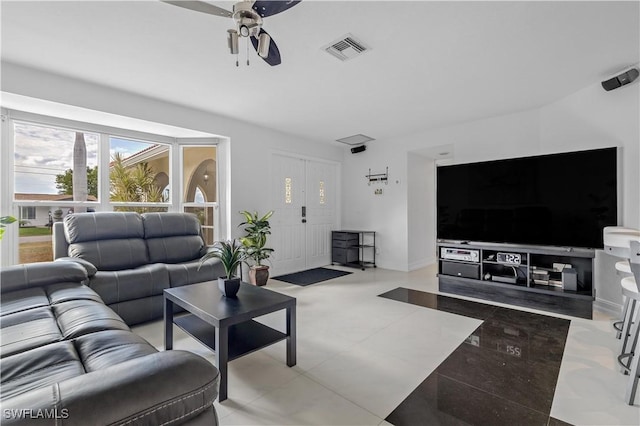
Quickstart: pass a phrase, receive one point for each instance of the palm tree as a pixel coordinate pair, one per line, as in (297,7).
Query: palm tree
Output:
(133,184)
(79,171)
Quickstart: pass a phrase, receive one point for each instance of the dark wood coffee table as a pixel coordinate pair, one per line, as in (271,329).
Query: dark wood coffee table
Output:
(226,325)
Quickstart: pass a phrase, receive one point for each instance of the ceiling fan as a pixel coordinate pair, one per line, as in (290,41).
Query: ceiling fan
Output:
(248,15)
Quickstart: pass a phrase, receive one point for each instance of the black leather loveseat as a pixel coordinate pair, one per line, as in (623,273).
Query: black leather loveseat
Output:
(131,258)
(66,358)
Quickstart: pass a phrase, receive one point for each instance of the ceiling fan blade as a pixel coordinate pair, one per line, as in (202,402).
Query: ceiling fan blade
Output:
(271,7)
(273,57)
(200,6)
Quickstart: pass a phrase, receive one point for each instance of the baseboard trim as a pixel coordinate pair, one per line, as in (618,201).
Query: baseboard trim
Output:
(419,264)
(606,306)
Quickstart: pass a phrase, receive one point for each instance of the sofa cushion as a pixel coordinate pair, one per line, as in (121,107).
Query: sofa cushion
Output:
(112,255)
(140,310)
(129,284)
(172,237)
(190,272)
(170,224)
(79,317)
(21,300)
(106,348)
(64,292)
(83,227)
(175,249)
(110,241)
(38,368)
(26,330)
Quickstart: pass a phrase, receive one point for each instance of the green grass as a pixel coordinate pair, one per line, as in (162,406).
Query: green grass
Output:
(30,232)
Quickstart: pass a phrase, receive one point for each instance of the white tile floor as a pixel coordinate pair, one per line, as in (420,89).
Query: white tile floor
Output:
(360,355)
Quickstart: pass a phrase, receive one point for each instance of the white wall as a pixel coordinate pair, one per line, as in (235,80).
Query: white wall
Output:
(421,211)
(387,213)
(247,153)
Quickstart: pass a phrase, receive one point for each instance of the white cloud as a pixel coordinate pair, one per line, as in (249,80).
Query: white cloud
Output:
(41,153)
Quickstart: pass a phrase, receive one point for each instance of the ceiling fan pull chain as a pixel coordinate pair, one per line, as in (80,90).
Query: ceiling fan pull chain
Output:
(247,43)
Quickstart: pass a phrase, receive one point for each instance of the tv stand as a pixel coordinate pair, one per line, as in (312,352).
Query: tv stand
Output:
(555,279)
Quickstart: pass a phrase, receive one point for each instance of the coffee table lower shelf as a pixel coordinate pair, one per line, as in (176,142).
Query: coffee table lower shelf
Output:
(244,338)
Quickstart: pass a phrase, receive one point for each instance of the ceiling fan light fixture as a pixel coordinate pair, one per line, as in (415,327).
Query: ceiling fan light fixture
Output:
(247,15)
(232,39)
(263,45)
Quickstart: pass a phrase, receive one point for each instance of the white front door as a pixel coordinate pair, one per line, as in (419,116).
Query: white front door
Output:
(304,199)
(320,212)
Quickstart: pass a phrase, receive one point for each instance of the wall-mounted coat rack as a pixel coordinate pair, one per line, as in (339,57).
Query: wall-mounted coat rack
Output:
(379,177)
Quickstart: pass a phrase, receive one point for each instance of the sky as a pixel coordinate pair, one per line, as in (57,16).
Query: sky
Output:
(41,153)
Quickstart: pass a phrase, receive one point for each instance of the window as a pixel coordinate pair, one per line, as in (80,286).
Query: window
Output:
(27,213)
(139,172)
(45,160)
(287,190)
(321,192)
(125,170)
(200,180)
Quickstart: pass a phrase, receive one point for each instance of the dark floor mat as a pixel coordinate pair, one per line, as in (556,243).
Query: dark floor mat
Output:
(311,276)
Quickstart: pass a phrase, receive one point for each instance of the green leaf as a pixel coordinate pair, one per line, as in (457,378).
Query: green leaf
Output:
(6,220)
(257,228)
(267,216)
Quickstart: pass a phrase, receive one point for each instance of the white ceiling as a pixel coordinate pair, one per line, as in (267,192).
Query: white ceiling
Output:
(431,63)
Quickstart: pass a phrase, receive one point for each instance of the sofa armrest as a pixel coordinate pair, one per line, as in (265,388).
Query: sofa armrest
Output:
(88,266)
(170,387)
(29,275)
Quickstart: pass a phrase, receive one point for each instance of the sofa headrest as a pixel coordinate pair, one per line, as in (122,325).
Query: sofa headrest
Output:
(157,225)
(82,227)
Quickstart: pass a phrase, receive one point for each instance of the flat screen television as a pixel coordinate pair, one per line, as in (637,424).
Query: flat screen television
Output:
(554,200)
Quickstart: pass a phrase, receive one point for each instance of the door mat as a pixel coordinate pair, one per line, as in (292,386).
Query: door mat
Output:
(311,276)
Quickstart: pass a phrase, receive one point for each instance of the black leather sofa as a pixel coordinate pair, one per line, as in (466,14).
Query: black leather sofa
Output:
(66,358)
(131,258)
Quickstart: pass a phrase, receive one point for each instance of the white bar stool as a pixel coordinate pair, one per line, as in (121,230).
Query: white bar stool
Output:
(616,243)
(634,365)
(623,268)
(630,324)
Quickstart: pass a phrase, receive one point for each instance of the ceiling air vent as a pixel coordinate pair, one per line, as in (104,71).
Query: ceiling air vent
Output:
(346,47)
(356,139)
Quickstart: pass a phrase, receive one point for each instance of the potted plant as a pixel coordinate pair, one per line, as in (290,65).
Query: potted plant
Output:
(231,255)
(257,229)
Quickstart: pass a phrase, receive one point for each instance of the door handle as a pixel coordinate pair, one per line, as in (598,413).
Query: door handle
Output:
(304,214)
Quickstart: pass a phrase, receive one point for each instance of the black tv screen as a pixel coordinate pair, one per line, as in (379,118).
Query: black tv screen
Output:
(555,200)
